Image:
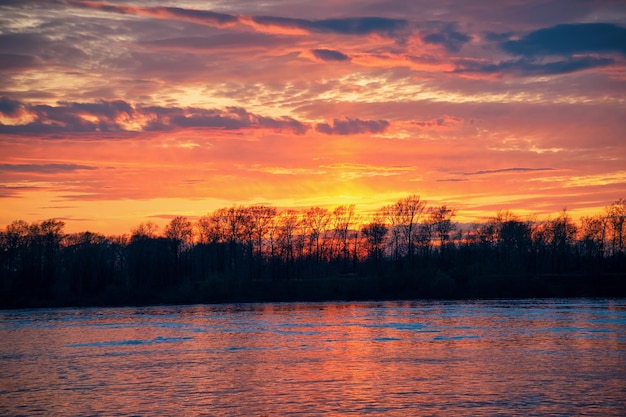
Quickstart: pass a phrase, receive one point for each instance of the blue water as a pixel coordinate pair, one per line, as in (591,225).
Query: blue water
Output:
(467,358)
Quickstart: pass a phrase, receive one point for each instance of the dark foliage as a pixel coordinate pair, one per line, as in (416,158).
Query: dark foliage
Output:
(256,253)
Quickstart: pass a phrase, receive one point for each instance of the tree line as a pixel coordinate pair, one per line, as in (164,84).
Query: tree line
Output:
(254,253)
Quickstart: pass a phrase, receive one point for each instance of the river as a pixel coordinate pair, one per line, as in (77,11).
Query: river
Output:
(563,357)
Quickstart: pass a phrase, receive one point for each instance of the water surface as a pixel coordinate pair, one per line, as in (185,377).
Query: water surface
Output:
(472,358)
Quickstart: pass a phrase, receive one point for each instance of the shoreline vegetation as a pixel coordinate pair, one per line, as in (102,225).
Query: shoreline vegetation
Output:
(406,250)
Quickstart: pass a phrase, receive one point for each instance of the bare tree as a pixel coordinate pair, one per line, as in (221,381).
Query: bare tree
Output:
(260,218)
(441,220)
(593,232)
(559,235)
(288,224)
(616,214)
(316,221)
(375,233)
(179,229)
(404,217)
(144,230)
(343,218)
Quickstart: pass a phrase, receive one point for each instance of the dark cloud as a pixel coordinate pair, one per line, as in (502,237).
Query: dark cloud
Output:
(286,123)
(360,26)
(22,42)
(450,39)
(216,121)
(26,50)
(352,126)
(498,37)
(227,41)
(193,15)
(329,55)
(568,39)
(566,66)
(497,171)
(111,116)
(345,26)
(198,15)
(44,168)
(69,116)
(9,107)
(533,67)
(12,62)
(161,111)
(443,121)
(38,127)
(107,109)
(231,118)
(284,22)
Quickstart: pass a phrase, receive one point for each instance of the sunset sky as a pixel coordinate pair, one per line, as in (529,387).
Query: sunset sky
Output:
(114,113)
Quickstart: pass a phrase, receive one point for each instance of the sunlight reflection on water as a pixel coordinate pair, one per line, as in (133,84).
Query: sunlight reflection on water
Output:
(527,357)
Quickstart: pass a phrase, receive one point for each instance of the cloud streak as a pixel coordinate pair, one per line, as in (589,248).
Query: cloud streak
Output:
(530,67)
(44,168)
(569,39)
(449,38)
(352,126)
(342,26)
(329,55)
(502,170)
(204,17)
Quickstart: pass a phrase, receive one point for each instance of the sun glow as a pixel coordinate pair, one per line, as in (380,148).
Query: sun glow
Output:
(111,114)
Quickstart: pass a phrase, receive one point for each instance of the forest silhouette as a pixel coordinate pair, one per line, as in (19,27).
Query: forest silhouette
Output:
(259,253)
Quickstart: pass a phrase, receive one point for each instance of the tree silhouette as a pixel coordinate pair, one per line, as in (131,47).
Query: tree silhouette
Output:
(616,214)
(251,253)
(375,233)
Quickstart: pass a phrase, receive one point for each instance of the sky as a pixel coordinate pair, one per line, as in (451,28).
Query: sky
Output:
(114,113)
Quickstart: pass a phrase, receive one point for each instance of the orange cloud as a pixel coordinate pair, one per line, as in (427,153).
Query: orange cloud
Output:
(114,112)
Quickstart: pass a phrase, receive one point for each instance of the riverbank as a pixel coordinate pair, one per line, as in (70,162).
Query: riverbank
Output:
(349,287)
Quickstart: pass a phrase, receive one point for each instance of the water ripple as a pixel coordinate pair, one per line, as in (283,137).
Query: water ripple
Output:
(472,358)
